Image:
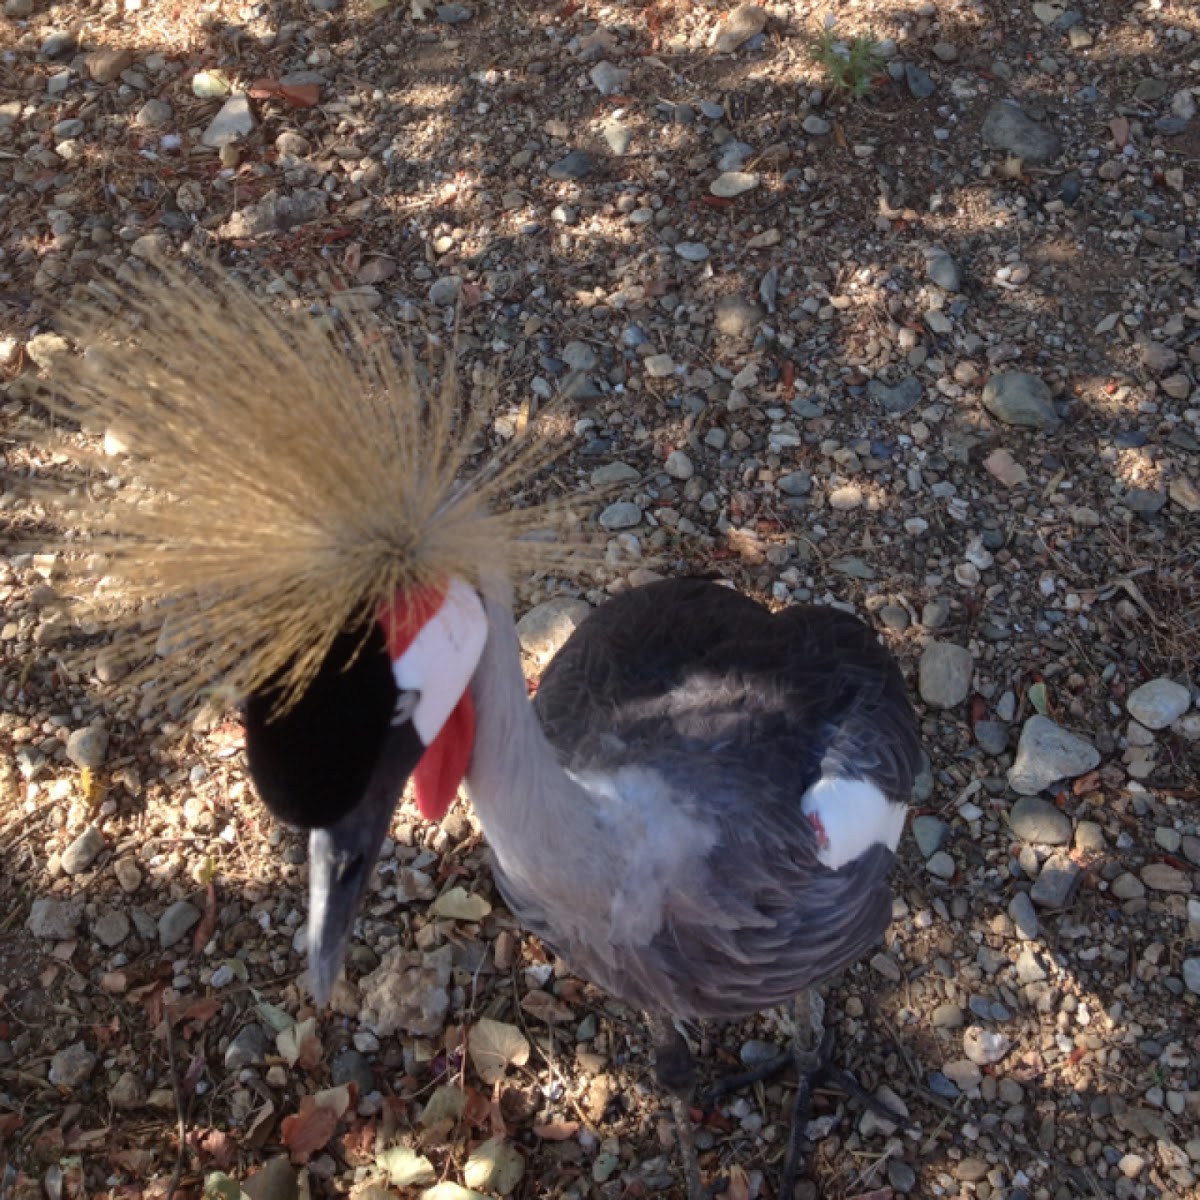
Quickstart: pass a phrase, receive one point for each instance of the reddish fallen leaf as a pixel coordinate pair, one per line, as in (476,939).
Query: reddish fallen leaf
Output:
(716,201)
(215,1146)
(978,709)
(197,1014)
(477,1110)
(1085,783)
(208,922)
(789,375)
(546,1007)
(472,295)
(298,95)
(307,1131)
(556,1131)
(9,1123)
(1119,128)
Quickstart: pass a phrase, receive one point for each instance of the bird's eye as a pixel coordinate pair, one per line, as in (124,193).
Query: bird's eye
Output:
(406,705)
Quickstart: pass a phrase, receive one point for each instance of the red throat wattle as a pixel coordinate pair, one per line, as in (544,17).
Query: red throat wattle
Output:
(444,764)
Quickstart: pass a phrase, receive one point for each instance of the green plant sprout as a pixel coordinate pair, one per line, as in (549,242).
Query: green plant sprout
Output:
(850,63)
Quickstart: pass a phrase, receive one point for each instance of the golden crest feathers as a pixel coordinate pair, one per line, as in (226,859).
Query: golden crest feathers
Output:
(283,485)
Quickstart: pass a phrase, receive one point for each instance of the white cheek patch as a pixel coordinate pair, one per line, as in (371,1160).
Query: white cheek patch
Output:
(440,660)
(850,816)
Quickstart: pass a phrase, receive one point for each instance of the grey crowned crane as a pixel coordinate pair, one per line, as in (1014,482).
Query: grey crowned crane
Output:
(698,812)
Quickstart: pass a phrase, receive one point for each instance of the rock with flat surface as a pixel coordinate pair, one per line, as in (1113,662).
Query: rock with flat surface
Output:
(1159,702)
(1046,754)
(1008,128)
(1020,398)
(1038,821)
(234,122)
(945,674)
(545,628)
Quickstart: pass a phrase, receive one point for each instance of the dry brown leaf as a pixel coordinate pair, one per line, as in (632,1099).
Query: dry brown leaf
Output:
(546,1007)
(495,1046)
(309,1130)
(556,1131)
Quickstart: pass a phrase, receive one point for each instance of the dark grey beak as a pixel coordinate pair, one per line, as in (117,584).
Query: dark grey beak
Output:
(342,858)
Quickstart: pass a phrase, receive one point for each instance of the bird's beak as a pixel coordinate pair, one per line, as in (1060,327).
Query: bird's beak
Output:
(342,857)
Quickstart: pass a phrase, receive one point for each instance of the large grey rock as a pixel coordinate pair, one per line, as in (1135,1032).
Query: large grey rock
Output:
(54,920)
(744,22)
(1020,398)
(1157,703)
(87,747)
(929,833)
(1024,916)
(72,1066)
(233,122)
(1055,885)
(1047,753)
(945,674)
(1008,128)
(897,400)
(545,628)
(1038,821)
(83,851)
(176,921)
(614,473)
(942,269)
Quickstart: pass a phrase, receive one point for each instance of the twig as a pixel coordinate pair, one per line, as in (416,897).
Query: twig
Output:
(180,1114)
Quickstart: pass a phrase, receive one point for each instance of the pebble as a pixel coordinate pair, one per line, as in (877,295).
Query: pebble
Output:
(1055,885)
(614,473)
(846,499)
(72,1066)
(545,628)
(234,122)
(454,14)
(248,1048)
(83,851)
(106,66)
(901,1176)
(576,165)
(127,1092)
(733,183)
(795,483)
(1038,821)
(129,876)
(1047,753)
(54,920)
(899,399)
(1008,128)
(1191,975)
(1029,966)
(87,747)
(919,82)
(110,928)
(59,44)
(963,1073)
(929,833)
(945,674)
(1157,703)
(991,737)
(746,21)
(624,514)
(154,114)
(1020,398)
(1024,916)
(679,466)
(176,921)
(815,126)
(887,966)
(972,1170)
(1162,877)
(659,366)
(872,1123)
(608,79)
(985,1047)
(941,866)
(693,252)
(942,269)
(351,1066)
(1127,886)
(445,291)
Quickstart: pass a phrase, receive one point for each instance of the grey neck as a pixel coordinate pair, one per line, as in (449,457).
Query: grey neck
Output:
(518,789)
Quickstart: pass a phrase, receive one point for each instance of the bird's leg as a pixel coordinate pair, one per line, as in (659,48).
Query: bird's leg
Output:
(676,1074)
(810,1052)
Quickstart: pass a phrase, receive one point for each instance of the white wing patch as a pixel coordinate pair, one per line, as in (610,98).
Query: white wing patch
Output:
(850,816)
(438,664)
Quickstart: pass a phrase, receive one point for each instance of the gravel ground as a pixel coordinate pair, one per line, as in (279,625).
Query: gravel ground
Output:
(931,354)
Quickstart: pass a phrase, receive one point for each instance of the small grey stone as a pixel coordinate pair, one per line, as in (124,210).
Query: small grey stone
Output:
(56,920)
(815,126)
(1055,885)
(693,252)
(729,184)
(971,1170)
(127,1092)
(82,852)
(929,833)
(920,83)
(941,865)
(887,966)
(1127,886)
(935,613)
(154,114)
(897,400)
(352,1067)
(963,1073)
(544,629)
(110,928)
(1047,753)
(737,317)
(618,137)
(608,79)
(72,1066)
(107,64)
(87,747)
(18,10)
(1024,916)
(901,1176)
(872,1123)
(579,356)
(1020,398)
(985,1047)
(72,127)
(624,514)
(679,466)
(746,21)
(454,14)
(947,1016)
(1157,703)
(614,473)
(1029,966)
(659,366)
(576,165)
(893,617)
(1162,877)
(1006,127)
(991,737)
(176,921)
(942,269)
(795,483)
(233,122)
(1038,821)
(444,292)
(945,674)
(248,1048)
(1191,975)
(59,44)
